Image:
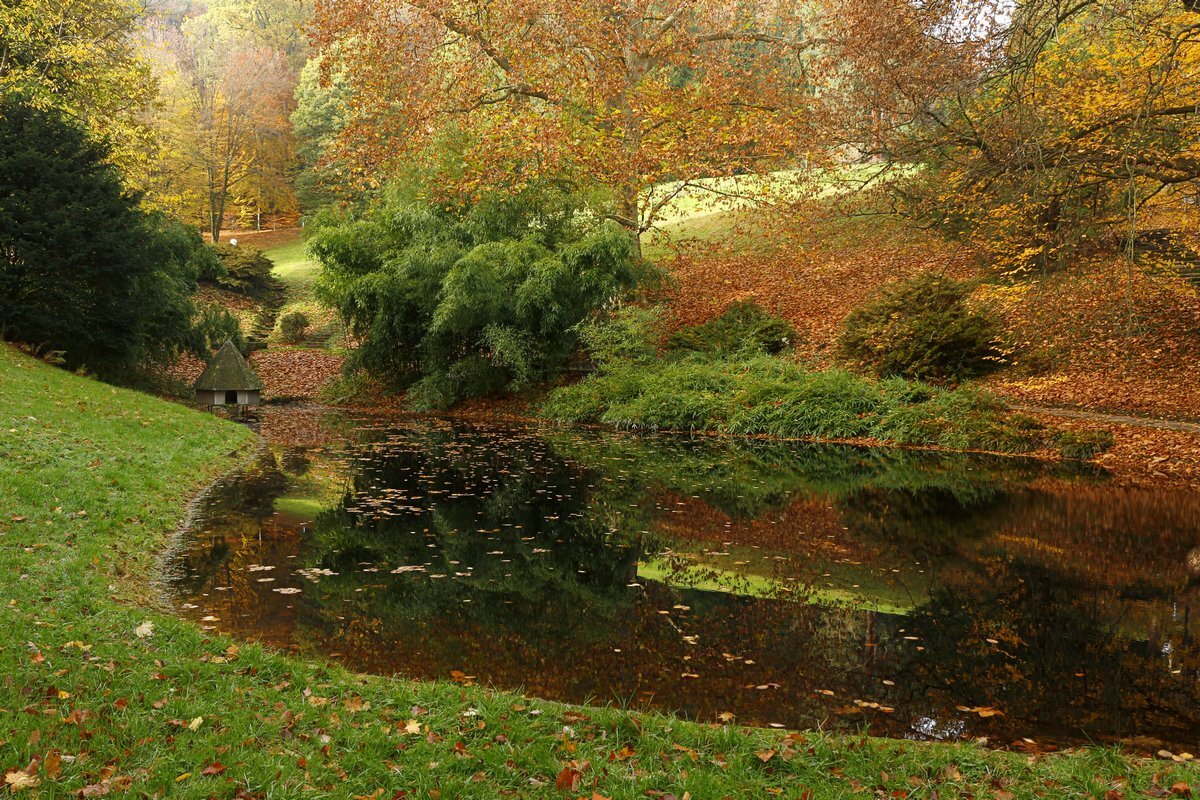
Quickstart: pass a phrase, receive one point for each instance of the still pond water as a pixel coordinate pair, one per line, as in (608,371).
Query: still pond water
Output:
(907,594)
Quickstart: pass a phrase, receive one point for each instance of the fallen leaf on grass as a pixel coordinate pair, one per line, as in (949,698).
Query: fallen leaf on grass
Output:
(145,630)
(18,779)
(215,768)
(568,779)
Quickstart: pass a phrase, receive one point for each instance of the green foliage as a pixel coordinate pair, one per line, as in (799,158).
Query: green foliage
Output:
(1083,444)
(84,59)
(630,334)
(293,326)
(922,328)
(744,328)
(246,269)
(83,269)
(772,396)
(213,326)
(461,301)
(318,119)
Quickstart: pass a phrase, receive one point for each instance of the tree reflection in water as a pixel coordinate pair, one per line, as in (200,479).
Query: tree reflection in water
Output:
(909,593)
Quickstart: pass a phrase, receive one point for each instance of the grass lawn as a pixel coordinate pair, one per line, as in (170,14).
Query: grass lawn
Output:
(103,693)
(299,276)
(293,267)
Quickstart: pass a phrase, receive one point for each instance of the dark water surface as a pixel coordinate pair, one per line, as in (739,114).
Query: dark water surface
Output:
(908,594)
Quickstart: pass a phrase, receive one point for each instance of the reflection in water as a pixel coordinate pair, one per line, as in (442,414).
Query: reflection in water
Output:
(908,593)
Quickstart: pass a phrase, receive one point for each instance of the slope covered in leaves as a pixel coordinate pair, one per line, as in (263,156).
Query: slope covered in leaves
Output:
(108,696)
(1097,335)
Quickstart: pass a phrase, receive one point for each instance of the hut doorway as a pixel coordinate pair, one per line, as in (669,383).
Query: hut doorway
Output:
(231,397)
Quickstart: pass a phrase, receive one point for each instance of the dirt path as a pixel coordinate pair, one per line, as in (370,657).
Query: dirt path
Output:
(1113,419)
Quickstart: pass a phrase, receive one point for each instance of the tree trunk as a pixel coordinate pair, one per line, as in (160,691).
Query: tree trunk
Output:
(628,209)
(214,220)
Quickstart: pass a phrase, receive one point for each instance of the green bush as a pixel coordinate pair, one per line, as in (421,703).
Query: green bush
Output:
(1083,444)
(922,328)
(744,328)
(247,269)
(292,327)
(458,302)
(214,325)
(630,334)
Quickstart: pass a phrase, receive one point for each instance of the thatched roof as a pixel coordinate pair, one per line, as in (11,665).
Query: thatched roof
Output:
(228,370)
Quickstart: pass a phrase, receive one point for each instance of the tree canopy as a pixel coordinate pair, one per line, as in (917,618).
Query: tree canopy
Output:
(624,95)
(81,56)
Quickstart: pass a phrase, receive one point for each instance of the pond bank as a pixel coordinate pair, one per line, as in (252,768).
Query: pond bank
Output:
(121,706)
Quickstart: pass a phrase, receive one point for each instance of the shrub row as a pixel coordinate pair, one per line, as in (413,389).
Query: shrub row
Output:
(775,397)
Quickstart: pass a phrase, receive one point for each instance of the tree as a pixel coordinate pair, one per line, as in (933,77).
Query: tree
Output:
(460,302)
(1061,130)
(83,269)
(223,120)
(318,120)
(80,56)
(625,95)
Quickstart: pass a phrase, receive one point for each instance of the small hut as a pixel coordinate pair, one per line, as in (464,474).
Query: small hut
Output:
(228,380)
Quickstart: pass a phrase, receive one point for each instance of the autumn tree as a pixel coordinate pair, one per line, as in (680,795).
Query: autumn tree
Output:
(223,118)
(1066,128)
(81,57)
(623,95)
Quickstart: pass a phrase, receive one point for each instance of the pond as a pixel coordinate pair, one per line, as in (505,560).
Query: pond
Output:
(903,593)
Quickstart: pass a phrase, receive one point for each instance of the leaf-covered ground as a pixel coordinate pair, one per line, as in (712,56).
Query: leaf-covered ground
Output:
(103,695)
(1097,336)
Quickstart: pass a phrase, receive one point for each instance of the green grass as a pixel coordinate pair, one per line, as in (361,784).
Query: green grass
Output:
(298,273)
(294,268)
(94,479)
(724,211)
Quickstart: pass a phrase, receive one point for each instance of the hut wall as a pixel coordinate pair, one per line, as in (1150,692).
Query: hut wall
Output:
(216,397)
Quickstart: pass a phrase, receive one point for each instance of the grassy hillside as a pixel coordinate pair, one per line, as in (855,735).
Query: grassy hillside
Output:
(102,691)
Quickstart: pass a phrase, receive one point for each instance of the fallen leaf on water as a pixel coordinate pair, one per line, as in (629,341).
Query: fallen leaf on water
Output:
(983,711)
